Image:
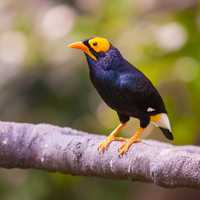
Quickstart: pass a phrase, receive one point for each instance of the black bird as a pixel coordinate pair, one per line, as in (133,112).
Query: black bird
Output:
(125,89)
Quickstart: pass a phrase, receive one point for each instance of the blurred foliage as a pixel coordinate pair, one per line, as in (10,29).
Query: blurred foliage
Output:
(43,81)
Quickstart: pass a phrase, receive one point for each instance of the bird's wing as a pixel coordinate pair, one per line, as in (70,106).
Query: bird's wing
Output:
(141,92)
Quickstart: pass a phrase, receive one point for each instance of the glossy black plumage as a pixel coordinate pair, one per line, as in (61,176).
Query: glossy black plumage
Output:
(123,87)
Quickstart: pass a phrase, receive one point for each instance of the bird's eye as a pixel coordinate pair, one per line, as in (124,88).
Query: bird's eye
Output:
(94,43)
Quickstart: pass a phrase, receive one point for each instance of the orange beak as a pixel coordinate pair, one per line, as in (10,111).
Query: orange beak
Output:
(82,47)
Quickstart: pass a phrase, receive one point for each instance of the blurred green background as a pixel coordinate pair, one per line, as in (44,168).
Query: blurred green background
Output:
(43,81)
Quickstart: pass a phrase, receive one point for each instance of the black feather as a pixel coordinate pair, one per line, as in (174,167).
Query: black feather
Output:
(167,133)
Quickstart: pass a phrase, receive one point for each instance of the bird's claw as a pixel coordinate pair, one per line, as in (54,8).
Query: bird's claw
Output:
(103,145)
(125,147)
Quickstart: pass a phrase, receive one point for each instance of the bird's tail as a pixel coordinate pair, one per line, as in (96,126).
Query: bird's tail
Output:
(162,121)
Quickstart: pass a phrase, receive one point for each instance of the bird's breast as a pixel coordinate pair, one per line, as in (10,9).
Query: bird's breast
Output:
(107,85)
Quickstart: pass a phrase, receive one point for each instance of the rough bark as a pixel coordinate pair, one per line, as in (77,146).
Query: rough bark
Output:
(69,151)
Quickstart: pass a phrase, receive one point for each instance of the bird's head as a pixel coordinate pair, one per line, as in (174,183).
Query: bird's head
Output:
(94,47)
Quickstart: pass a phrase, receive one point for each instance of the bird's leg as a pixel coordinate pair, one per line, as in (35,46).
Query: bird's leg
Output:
(103,145)
(135,138)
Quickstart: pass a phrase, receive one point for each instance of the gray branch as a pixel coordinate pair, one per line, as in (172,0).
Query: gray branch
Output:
(69,151)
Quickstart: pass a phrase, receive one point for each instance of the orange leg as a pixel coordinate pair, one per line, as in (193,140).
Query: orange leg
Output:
(135,138)
(103,145)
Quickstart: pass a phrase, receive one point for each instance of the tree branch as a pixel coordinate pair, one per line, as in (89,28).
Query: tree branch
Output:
(74,152)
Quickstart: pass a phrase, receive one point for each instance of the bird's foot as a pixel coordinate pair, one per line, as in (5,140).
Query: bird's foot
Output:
(125,147)
(104,145)
(135,138)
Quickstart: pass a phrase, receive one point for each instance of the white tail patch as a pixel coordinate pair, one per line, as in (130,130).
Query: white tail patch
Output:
(161,120)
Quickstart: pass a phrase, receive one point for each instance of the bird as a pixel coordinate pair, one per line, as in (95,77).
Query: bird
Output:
(125,89)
